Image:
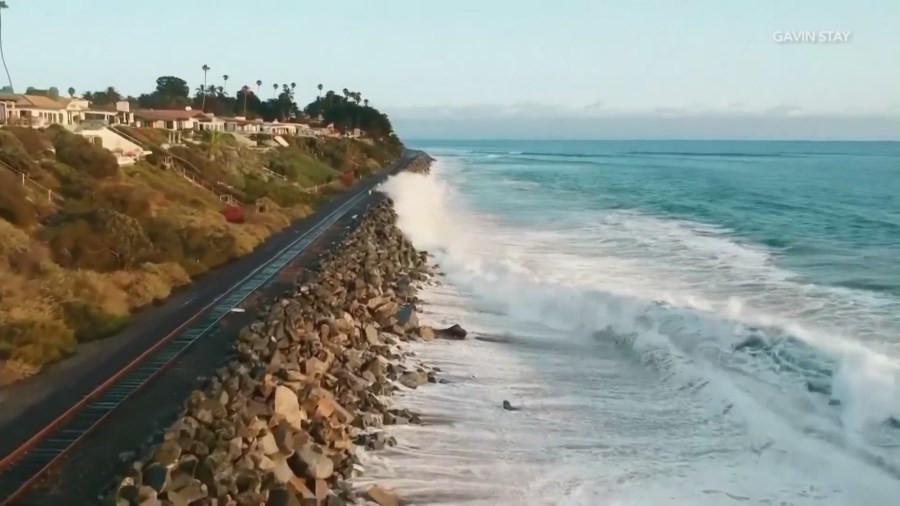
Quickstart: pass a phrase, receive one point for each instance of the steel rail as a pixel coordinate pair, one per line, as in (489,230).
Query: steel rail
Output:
(24,466)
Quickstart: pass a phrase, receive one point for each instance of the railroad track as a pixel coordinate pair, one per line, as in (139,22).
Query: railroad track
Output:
(23,467)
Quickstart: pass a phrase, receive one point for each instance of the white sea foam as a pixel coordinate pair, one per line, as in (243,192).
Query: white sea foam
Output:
(669,300)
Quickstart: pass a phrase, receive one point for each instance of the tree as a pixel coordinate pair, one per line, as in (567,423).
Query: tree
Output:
(206,69)
(171,86)
(3,56)
(215,140)
(346,114)
(274,89)
(171,93)
(224,82)
(105,97)
(245,90)
(71,92)
(366,103)
(258,86)
(320,90)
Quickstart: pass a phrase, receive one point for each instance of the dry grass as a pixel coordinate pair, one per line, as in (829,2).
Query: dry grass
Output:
(46,309)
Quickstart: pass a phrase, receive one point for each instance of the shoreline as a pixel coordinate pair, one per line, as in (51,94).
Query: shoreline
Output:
(308,386)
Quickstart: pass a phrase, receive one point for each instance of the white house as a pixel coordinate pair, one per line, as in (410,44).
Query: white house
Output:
(111,114)
(75,108)
(276,128)
(37,111)
(8,103)
(168,119)
(126,151)
(304,130)
(326,131)
(241,125)
(209,123)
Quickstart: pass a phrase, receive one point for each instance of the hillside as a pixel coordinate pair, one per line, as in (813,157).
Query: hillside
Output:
(108,240)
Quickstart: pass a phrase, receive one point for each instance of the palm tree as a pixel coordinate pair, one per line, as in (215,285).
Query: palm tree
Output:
(215,138)
(245,90)
(205,68)
(274,89)
(293,85)
(2,56)
(346,93)
(320,90)
(225,81)
(71,92)
(258,85)
(366,103)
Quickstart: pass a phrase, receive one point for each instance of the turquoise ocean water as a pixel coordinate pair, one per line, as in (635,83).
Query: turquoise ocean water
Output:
(682,323)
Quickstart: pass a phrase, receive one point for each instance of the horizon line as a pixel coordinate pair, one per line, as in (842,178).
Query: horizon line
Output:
(633,139)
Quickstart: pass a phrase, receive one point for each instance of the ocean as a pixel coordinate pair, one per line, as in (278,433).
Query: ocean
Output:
(697,323)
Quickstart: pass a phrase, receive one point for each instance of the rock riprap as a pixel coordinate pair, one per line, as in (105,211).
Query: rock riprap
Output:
(308,384)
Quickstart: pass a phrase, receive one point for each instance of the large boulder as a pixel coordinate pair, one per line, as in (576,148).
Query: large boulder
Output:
(311,462)
(454,332)
(413,379)
(382,496)
(288,407)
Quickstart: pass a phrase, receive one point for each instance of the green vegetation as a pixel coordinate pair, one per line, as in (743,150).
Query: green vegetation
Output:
(73,269)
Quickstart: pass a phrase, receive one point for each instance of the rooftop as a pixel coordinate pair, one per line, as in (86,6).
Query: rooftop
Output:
(166,114)
(39,102)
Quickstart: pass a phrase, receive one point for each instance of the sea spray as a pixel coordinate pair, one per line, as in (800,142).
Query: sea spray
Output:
(688,338)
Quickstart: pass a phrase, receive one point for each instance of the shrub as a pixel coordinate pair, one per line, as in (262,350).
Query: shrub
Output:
(72,183)
(167,243)
(151,136)
(84,156)
(37,342)
(209,248)
(136,201)
(33,142)
(14,206)
(278,192)
(14,154)
(89,322)
(10,143)
(296,165)
(100,240)
(210,171)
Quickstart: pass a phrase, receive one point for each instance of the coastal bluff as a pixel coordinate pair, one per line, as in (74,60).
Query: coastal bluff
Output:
(307,387)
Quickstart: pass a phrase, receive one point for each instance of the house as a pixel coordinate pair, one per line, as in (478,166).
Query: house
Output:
(38,111)
(8,103)
(241,125)
(304,130)
(111,114)
(276,128)
(209,123)
(168,119)
(326,131)
(126,151)
(74,108)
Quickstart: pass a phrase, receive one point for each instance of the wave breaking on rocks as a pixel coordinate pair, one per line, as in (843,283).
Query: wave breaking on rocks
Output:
(307,388)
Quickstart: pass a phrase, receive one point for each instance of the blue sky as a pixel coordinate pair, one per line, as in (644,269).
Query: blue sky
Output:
(523,68)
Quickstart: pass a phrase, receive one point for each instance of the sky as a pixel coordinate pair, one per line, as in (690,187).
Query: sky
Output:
(500,68)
